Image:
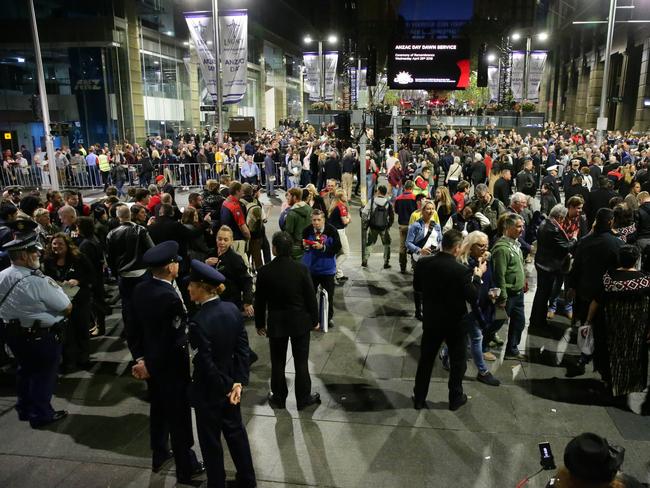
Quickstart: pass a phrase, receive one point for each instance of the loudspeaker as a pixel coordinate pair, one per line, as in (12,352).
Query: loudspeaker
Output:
(406,126)
(381,125)
(482,73)
(371,70)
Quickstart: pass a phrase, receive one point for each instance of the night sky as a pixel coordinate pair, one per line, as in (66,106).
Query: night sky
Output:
(436,9)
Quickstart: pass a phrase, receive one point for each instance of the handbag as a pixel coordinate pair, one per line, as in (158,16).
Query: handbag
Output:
(586,339)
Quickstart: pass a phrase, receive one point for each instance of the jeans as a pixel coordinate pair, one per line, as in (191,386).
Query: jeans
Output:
(370,184)
(343,253)
(475,335)
(269,184)
(93,171)
(555,294)
(395,191)
(515,311)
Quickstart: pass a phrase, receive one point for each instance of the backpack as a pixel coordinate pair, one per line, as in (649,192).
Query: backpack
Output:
(254,224)
(379,216)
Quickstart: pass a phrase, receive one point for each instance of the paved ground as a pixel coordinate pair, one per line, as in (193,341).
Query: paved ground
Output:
(364,434)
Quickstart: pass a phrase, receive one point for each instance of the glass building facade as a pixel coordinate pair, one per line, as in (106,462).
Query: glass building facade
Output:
(122,70)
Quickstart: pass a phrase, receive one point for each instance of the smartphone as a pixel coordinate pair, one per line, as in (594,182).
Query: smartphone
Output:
(546,459)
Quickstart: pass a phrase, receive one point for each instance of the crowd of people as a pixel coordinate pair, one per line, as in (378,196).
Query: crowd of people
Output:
(475,211)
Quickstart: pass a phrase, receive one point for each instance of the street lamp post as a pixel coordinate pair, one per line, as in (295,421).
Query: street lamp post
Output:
(215,23)
(331,39)
(602,121)
(49,144)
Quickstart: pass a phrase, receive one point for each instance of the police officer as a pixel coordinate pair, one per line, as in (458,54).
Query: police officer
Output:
(32,311)
(162,358)
(221,368)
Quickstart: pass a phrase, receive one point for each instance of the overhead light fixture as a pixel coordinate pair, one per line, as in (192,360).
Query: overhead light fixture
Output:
(625,6)
(516,36)
(332,39)
(169,33)
(20,60)
(307,39)
(209,43)
(156,62)
(542,36)
(186,43)
(491,58)
(351,58)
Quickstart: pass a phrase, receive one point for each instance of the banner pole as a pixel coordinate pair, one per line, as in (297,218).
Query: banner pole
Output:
(215,22)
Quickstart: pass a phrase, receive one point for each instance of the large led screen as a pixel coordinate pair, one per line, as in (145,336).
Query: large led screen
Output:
(440,65)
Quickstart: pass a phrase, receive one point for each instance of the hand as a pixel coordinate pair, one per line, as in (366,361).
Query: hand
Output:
(317,245)
(481,268)
(261,332)
(212,261)
(248,310)
(425,252)
(72,282)
(151,220)
(139,370)
(235,394)
(207,218)
(317,326)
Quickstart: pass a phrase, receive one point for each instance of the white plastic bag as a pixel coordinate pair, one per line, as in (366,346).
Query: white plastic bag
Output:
(586,339)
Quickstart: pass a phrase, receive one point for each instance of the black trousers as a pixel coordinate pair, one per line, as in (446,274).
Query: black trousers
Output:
(543,292)
(170,417)
(327,282)
(76,338)
(455,335)
(300,351)
(211,422)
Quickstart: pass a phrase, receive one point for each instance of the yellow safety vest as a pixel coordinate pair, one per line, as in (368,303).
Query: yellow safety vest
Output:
(104,165)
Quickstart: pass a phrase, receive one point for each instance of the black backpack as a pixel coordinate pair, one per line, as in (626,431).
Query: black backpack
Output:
(379,216)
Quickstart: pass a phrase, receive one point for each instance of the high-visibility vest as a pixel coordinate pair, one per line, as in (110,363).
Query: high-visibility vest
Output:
(104,165)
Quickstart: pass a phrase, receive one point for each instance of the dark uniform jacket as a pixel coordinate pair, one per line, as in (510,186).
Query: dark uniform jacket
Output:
(125,246)
(445,298)
(284,286)
(239,282)
(163,339)
(218,337)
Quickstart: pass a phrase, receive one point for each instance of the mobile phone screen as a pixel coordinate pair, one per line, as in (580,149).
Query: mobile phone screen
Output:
(546,455)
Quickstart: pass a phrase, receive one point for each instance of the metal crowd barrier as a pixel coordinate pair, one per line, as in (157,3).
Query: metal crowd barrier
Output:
(192,175)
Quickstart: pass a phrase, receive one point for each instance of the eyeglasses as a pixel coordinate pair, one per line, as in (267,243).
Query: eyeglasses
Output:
(481,246)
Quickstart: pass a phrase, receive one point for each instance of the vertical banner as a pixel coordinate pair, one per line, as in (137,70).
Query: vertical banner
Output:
(200,25)
(354,94)
(311,77)
(517,75)
(493,83)
(233,43)
(535,71)
(331,60)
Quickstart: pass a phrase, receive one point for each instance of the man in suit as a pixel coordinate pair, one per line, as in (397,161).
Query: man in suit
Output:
(162,359)
(599,198)
(167,228)
(284,287)
(445,304)
(220,371)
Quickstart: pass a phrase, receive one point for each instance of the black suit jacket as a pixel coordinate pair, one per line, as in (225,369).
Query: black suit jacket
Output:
(446,286)
(217,333)
(597,199)
(284,287)
(239,282)
(168,229)
(162,340)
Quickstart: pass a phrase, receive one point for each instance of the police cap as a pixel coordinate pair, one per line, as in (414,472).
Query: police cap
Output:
(24,241)
(162,254)
(202,273)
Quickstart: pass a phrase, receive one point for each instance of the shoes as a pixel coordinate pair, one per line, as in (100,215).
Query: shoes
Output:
(386,265)
(159,461)
(456,404)
(419,404)
(515,357)
(199,469)
(488,379)
(342,279)
(550,314)
(330,325)
(402,270)
(364,264)
(276,403)
(312,399)
(489,356)
(497,340)
(58,415)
